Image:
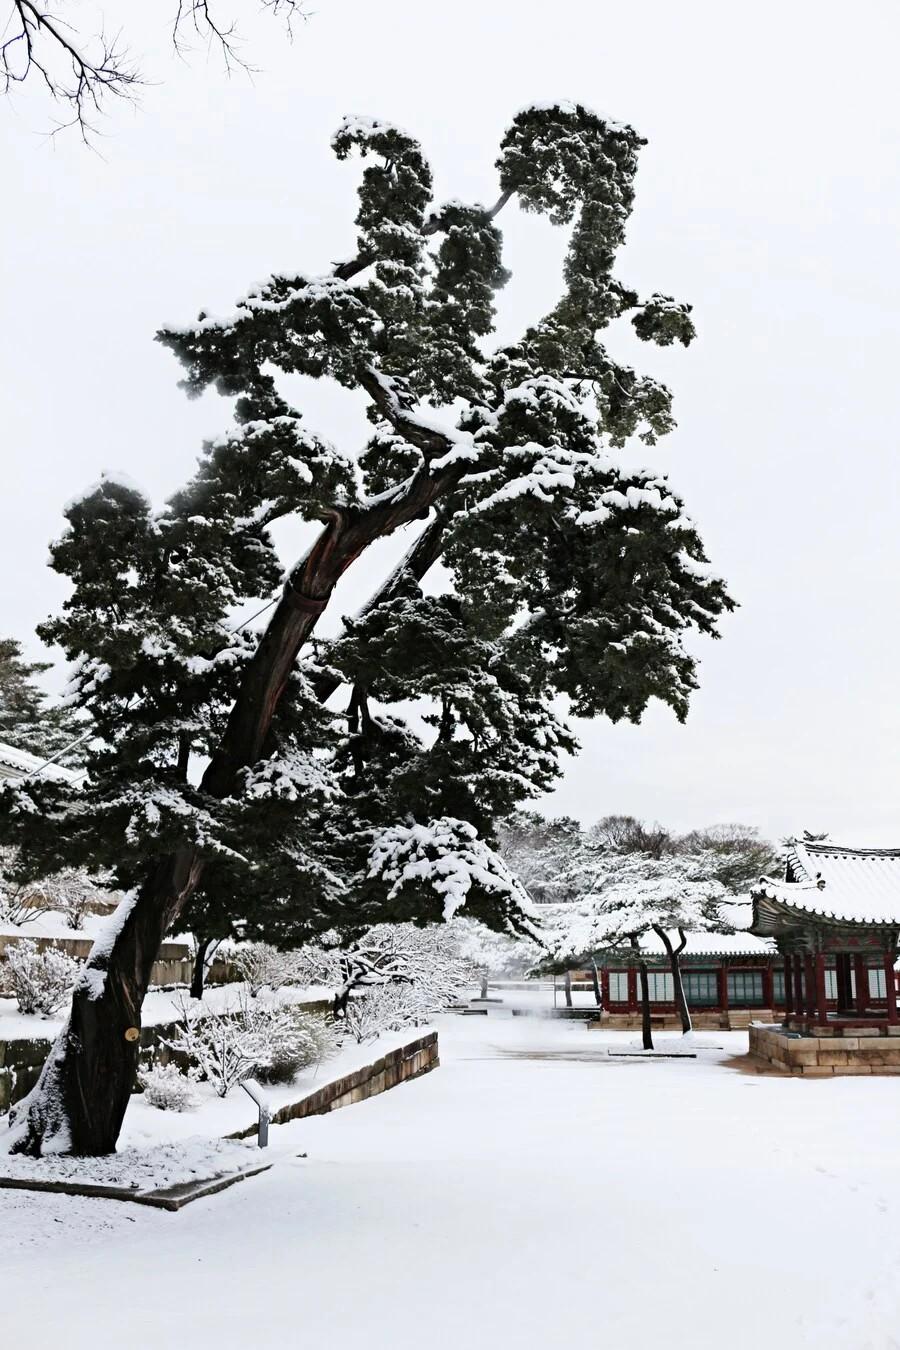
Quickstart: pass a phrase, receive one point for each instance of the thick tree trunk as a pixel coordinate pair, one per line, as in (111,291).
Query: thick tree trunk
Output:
(567,985)
(674,954)
(646,1028)
(595,976)
(79,1102)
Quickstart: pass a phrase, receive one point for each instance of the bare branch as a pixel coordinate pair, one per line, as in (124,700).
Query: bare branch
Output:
(38,45)
(202,16)
(83,72)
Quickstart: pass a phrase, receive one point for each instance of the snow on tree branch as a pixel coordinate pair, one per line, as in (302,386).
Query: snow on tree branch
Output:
(447,857)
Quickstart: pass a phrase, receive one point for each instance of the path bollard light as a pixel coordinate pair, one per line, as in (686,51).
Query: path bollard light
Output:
(256,1094)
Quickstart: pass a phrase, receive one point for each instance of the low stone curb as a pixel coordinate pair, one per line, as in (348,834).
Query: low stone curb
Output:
(169,1197)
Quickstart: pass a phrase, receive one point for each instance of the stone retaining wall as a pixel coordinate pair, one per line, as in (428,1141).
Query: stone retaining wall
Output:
(866,1051)
(397,1066)
(173,964)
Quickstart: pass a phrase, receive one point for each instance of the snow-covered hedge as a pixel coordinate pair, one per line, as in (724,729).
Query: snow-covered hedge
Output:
(40,981)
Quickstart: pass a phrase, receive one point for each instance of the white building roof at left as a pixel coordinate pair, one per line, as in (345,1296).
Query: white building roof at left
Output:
(16,763)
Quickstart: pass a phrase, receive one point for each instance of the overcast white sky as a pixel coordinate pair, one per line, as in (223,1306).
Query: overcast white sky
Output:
(768,196)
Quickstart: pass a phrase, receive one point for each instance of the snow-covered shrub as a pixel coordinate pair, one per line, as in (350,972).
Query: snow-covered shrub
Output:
(262,966)
(166,1087)
(40,981)
(428,960)
(221,1045)
(296,1040)
(255,1039)
(70,892)
(75,895)
(386,1007)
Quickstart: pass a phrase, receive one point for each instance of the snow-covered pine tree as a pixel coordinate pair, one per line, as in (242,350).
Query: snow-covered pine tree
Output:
(28,720)
(218,767)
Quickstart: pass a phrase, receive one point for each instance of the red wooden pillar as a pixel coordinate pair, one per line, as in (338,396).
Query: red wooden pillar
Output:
(889,987)
(723,987)
(788,986)
(861,971)
(821,1000)
(768,989)
(604,989)
(632,989)
(809,973)
(844,990)
(799,991)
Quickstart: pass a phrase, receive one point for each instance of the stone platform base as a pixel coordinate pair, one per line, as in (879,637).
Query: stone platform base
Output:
(738,1019)
(865,1052)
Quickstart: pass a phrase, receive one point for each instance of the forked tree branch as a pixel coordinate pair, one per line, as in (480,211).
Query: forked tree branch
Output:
(83,71)
(78,74)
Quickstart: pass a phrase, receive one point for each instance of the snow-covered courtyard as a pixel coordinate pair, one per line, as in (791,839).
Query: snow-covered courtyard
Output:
(532,1191)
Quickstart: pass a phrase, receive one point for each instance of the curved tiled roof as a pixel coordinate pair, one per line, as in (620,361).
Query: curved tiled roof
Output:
(20,764)
(834,881)
(714,944)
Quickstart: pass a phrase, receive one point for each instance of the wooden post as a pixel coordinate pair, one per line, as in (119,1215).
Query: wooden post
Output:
(799,992)
(821,1000)
(768,986)
(788,986)
(890,987)
(604,989)
(723,987)
(861,971)
(809,979)
(844,990)
(632,989)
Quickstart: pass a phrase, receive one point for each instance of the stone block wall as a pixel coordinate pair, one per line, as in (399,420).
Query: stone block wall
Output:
(173,965)
(397,1066)
(864,1051)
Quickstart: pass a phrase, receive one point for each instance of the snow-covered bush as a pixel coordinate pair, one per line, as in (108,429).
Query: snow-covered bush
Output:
(386,1007)
(70,892)
(427,960)
(296,1040)
(166,1087)
(40,981)
(262,966)
(255,1039)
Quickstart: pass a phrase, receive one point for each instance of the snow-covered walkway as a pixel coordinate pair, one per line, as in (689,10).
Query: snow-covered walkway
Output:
(529,1193)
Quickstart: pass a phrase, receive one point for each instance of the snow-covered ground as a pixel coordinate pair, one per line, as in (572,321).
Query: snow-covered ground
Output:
(161,1006)
(530,1192)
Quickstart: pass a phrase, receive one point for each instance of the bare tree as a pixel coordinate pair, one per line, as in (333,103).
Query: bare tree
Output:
(627,834)
(83,71)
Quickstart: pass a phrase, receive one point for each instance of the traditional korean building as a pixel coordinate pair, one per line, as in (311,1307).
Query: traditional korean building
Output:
(811,949)
(724,975)
(835,919)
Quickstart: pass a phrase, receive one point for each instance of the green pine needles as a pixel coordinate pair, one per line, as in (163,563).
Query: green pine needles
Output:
(567,584)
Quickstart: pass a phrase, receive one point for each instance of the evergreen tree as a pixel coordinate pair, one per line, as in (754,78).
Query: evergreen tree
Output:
(220,779)
(28,721)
